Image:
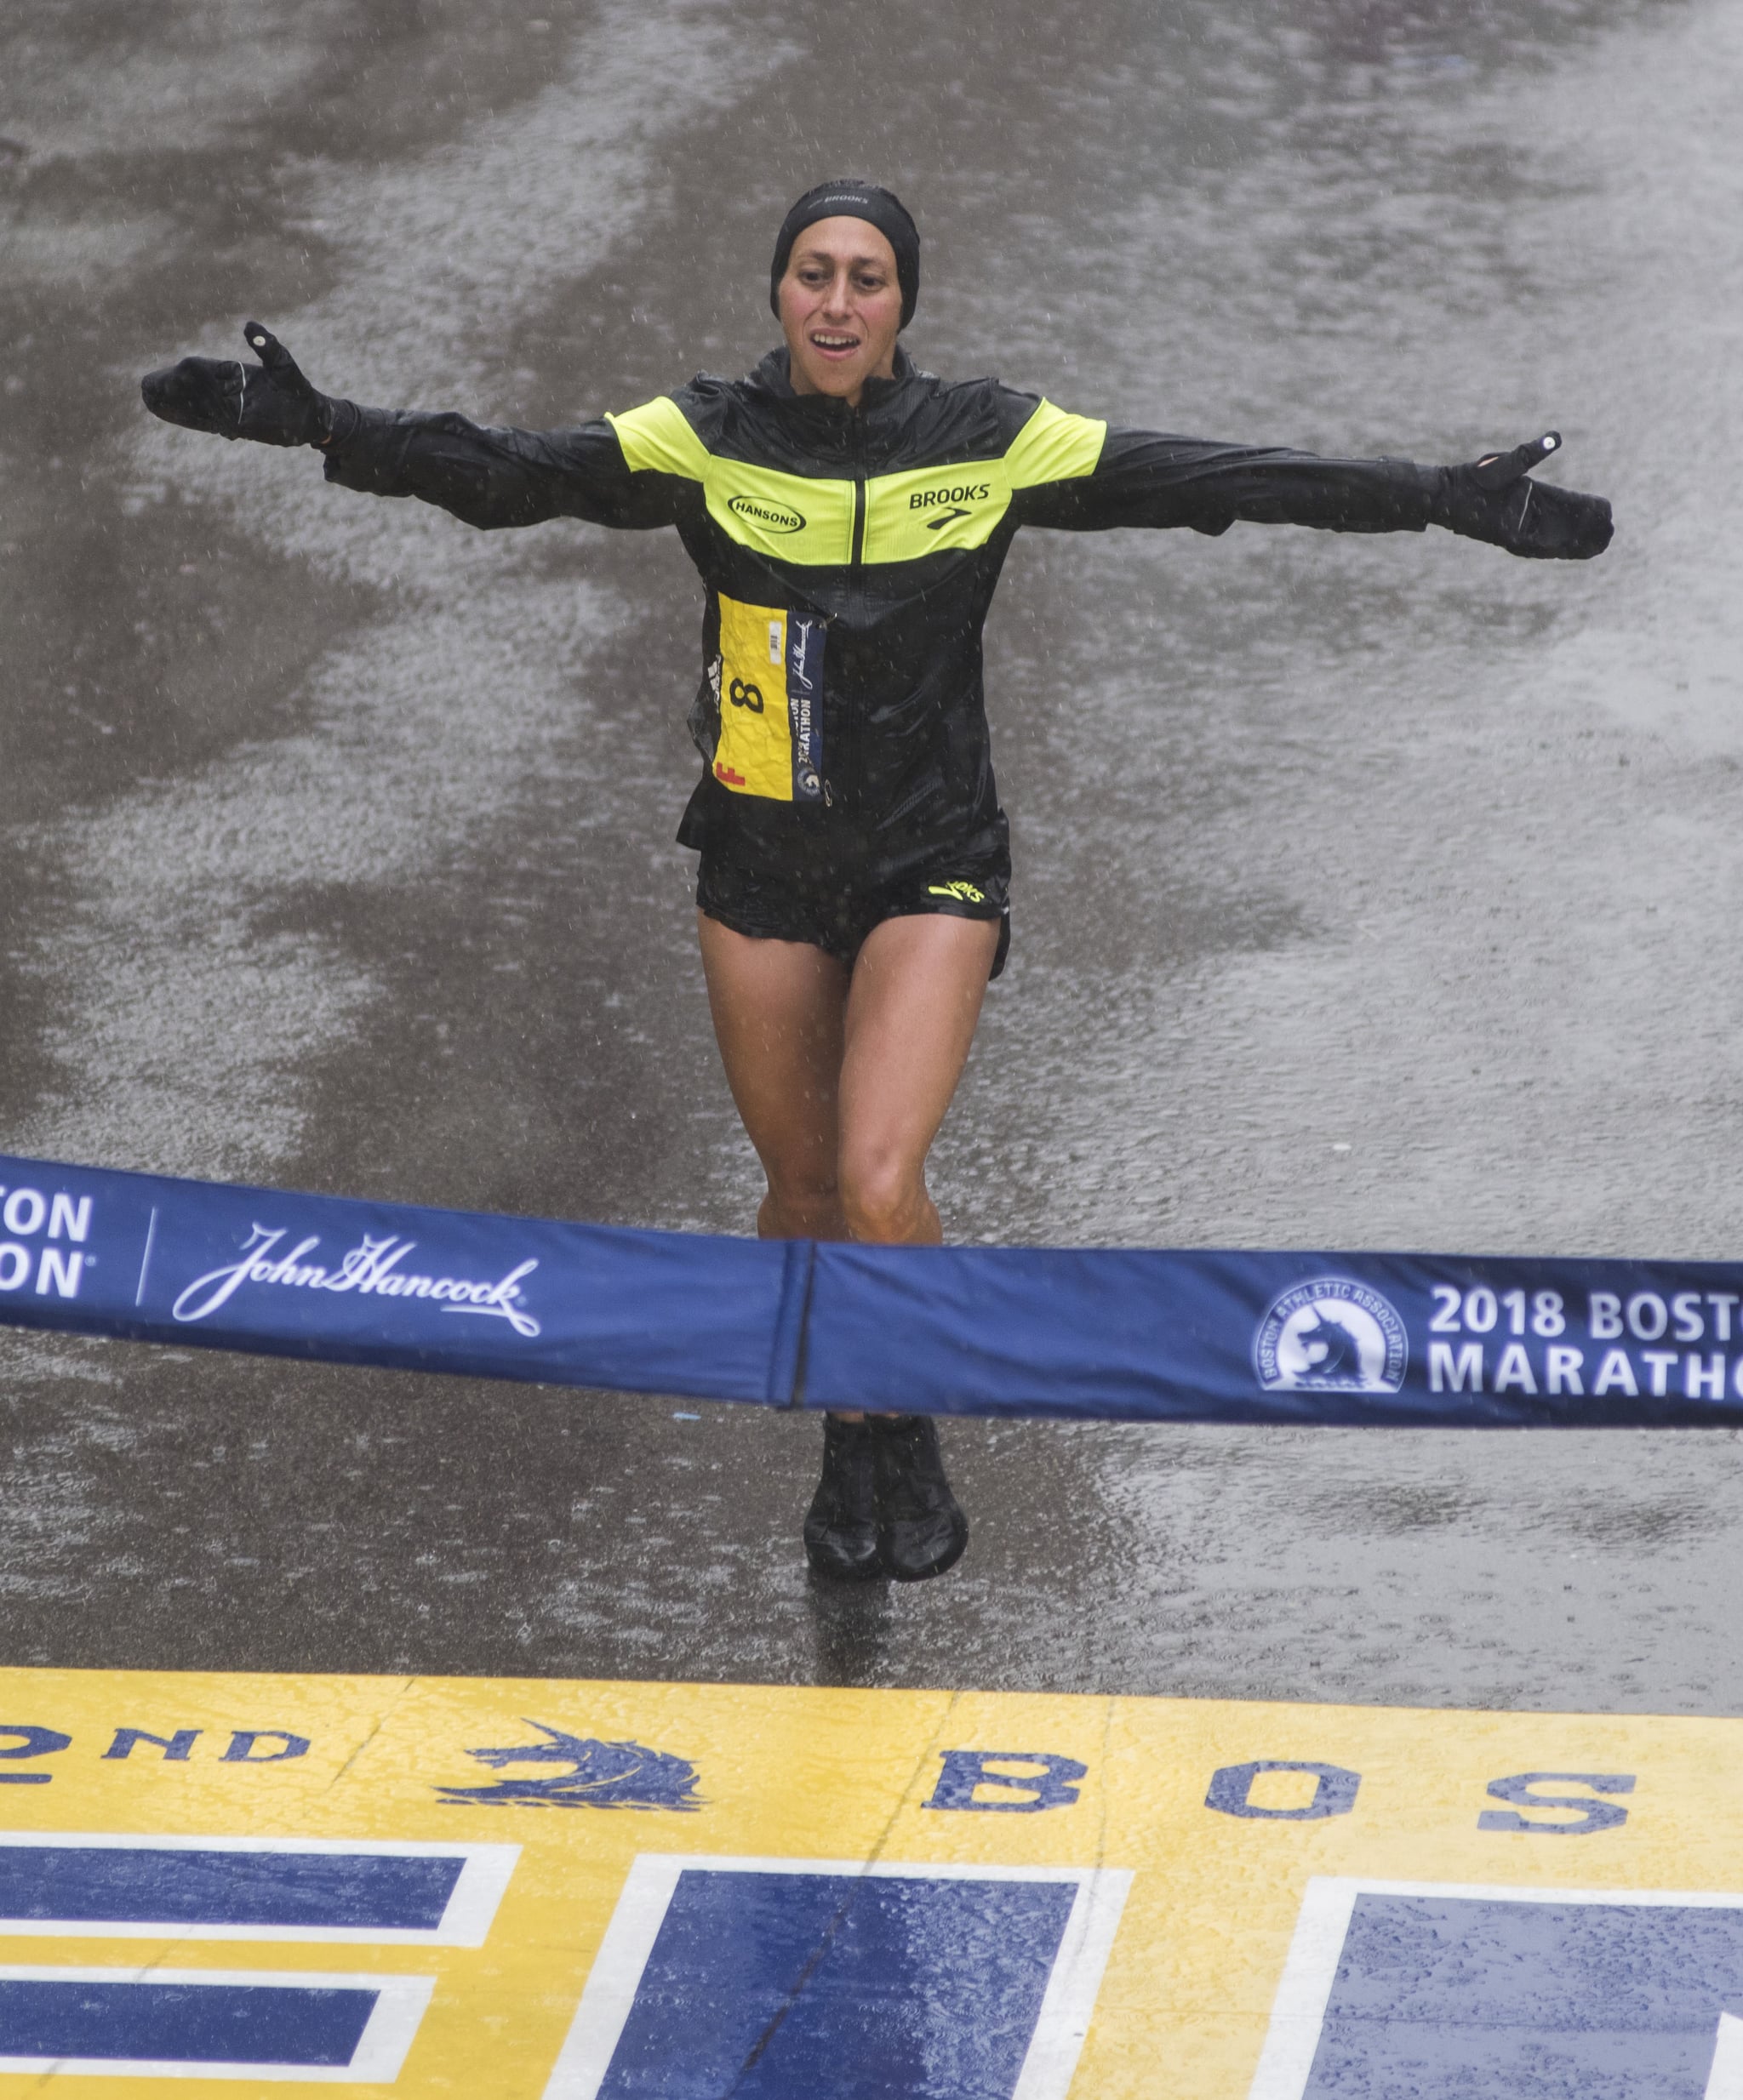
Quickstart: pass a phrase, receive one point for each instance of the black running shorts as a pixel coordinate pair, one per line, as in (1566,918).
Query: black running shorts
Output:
(835,908)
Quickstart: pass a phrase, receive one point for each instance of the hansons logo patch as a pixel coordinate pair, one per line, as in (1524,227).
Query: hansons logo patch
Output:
(372,1268)
(772,517)
(1332,1335)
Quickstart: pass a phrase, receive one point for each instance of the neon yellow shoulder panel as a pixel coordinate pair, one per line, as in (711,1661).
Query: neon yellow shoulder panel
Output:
(787,517)
(810,521)
(935,509)
(941,508)
(1053,446)
(657,439)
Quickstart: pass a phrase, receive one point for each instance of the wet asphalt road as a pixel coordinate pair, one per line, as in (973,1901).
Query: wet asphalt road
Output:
(1367,893)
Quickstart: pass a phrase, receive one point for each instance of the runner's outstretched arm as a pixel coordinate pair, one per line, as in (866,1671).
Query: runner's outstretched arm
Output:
(1147,478)
(487,477)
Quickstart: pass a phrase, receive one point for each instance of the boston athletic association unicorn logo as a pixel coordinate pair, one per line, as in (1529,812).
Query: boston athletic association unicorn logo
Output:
(592,1775)
(1333,1352)
(1332,1335)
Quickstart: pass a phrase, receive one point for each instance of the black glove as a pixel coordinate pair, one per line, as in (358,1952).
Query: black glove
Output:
(1494,501)
(270,401)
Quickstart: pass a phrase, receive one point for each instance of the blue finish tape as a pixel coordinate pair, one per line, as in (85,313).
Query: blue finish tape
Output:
(1449,1341)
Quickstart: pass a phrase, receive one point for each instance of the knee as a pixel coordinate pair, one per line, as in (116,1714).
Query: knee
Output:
(883,1198)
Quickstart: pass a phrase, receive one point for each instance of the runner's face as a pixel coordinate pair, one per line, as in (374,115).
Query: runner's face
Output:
(841,308)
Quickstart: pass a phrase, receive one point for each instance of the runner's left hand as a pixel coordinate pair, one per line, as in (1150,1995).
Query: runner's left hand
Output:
(1495,500)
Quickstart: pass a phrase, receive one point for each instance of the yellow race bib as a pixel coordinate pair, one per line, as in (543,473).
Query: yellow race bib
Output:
(771,697)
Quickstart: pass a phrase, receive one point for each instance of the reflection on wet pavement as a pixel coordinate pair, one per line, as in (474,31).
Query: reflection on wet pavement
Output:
(1367,893)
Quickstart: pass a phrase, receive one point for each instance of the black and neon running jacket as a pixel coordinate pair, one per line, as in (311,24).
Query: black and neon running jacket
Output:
(850,557)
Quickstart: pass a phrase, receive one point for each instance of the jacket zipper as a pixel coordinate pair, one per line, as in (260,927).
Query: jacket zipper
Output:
(859,547)
(845,782)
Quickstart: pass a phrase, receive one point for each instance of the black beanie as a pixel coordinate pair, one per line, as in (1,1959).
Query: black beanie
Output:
(850,199)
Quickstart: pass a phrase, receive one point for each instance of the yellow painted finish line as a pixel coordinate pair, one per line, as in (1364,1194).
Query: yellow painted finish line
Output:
(1210,1899)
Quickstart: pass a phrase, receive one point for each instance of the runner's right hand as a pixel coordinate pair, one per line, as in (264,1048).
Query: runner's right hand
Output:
(271,402)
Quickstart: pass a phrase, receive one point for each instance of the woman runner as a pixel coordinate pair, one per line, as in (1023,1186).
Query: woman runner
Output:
(850,515)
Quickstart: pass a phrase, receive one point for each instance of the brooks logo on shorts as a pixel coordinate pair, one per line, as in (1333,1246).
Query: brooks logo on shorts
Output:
(964,892)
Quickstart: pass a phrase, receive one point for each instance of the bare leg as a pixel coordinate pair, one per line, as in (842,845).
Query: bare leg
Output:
(843,1086)
(778,1009)
(917,987)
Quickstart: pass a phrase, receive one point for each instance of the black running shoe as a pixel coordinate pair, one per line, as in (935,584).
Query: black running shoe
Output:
(921,1532)
(841,1526)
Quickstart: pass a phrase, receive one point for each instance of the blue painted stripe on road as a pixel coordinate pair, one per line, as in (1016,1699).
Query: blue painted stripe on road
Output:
(149,1885)
(776,1978)
(926,1987)
(1399,1987)
(192,2023)
(1452,1341)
